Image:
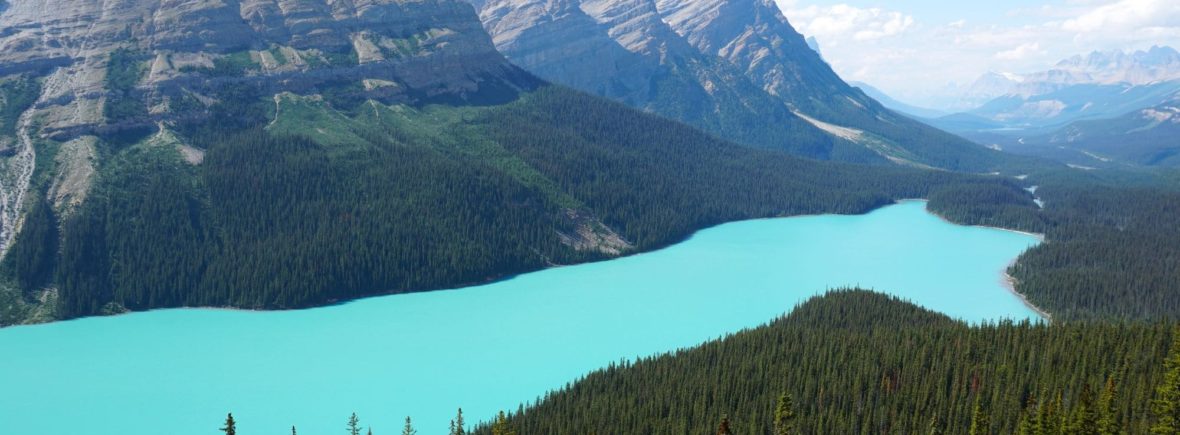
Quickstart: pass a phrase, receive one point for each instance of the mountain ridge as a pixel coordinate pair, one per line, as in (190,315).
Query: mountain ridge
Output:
(749,76)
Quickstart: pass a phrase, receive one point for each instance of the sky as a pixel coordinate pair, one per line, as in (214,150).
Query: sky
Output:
(918,50)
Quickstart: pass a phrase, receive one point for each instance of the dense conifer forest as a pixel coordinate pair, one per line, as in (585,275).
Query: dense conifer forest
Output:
(1113,248)
(856,362)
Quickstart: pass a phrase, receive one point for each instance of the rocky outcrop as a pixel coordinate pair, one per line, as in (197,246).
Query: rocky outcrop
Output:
(589,234)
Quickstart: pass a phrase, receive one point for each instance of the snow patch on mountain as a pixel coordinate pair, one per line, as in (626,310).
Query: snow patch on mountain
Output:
(1163,114)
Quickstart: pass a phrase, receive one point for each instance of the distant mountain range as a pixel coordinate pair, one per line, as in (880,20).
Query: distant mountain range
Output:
(1116,67)
(1149,136)
(1049,112)
(1062,106)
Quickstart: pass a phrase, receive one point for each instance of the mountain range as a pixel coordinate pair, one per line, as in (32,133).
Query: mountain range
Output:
(1048,113)
(1149,137)
(1114,67)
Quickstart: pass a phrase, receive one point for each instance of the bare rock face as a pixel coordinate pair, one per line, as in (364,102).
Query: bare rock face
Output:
(753,35)
(599,45)
(428,48)
(736,68)
(558,41)
(627,51)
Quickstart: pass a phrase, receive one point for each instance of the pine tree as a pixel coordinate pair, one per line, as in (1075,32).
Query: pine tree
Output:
(1108,415)
(723,428)
(1048,419)
(457,424)
(935,426)
(1083,420)
(980,421)
(500,427)
(354,425)
(1028,418)
(784,415)
(231,428)
(408,429)
(1166,406)
(293,430)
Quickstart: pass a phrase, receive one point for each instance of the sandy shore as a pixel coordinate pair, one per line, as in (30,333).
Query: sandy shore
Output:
(1010,283)
(1040,237)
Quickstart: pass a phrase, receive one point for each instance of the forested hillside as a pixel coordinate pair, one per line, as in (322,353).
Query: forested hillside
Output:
(859,363)
(306,200)
(1113,248)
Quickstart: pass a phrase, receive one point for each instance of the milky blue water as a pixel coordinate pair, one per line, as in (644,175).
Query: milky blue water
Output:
(484,348)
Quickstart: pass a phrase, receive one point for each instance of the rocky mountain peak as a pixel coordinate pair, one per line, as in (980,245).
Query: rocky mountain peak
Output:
(736,68)
(756,36)
(1118,66)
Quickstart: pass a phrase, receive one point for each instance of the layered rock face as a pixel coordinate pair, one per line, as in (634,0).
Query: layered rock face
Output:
(412,48)
(754,36)
(592,44)
(557,39)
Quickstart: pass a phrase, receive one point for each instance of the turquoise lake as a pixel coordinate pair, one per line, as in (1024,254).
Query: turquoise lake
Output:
(484,348)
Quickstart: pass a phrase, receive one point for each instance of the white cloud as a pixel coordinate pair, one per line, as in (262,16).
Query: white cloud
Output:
(1126,15)
(841,20)
(914,53)
(1022,51)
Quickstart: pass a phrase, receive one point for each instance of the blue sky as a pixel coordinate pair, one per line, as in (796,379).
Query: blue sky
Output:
(916,49)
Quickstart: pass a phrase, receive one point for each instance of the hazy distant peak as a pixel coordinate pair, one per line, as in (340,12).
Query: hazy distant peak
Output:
(814,44)
(1116,66)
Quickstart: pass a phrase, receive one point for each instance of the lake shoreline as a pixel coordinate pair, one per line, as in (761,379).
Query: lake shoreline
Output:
(1006,280)
(510,276)
(192,365)
(1009,282)
(1039,236)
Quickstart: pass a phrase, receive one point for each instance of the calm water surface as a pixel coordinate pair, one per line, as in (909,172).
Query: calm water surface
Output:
(484,348)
